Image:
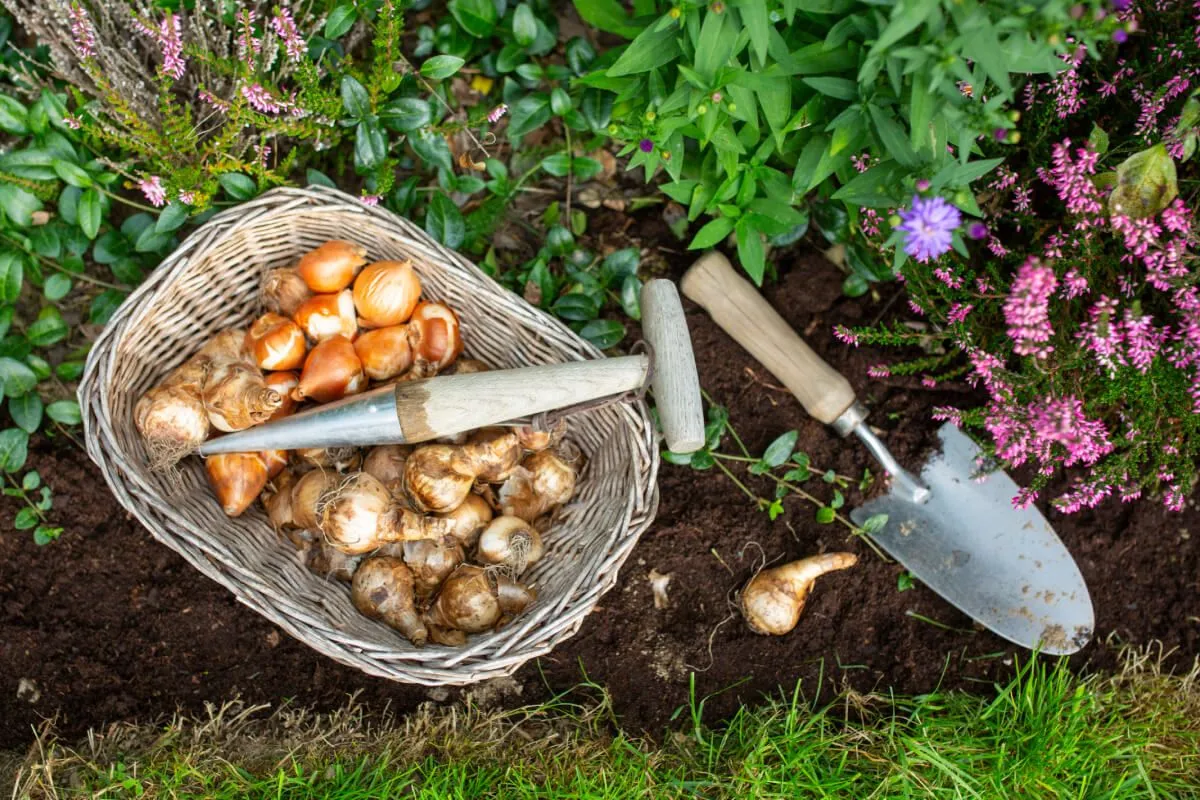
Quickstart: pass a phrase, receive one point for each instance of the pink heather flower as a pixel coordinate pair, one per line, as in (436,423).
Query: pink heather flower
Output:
(1070,178)
(948,414)
(958,312)
(1005,179)
(844,334)
(262,152)
(1025,498)
(496,113)
(1026,310)
(187,198)
(948,277)
(998,249)
(1102,335)
(984,366)
(1177,218)
(879,371)
(861,162)
(1142,340)
(1085,495)
(1023,199)
(928,227)
(928,382)
(1067,97)
(82,31)
(870,222)
(370,199)
(261,99)
(1074,284)
(153,189)
(212,100)
(169,37)
(1062,421)
(1173,499)
(285,28)
(1140,234)
(248,45)
(982,286)
(916,309)
(71,121)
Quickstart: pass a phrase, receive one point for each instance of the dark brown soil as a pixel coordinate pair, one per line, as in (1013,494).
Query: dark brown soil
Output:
(110,625)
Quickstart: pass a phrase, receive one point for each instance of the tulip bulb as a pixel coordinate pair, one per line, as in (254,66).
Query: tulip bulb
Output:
(436,338)
(386,292)
(277,500)
(276,461)
(307,493)
(332,266)
(384,352)
(386,463)
(284,291)
(237,479)
(359,515)
(283,383)
(773,599)
(325,315)
(430,562)
(466,521)
(237,397)
(339,459)
(383,589)
(276,343)
(331,563)
(544,481)
(331,371)
(511,542)
(474,600)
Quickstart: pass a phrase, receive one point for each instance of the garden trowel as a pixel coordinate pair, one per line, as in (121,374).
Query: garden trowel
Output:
(954,529)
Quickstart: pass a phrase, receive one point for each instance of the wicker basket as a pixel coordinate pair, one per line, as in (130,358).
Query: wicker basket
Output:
(210,283)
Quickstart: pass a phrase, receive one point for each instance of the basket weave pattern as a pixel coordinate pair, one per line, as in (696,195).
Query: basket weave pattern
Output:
(211,283)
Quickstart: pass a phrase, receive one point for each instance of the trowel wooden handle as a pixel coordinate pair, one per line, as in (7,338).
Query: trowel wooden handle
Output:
(742,312)
(675,383)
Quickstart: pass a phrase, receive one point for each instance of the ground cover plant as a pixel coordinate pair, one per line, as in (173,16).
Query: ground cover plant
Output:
(1047,733)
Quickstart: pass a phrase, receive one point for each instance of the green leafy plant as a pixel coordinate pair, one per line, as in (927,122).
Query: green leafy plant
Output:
(761,111)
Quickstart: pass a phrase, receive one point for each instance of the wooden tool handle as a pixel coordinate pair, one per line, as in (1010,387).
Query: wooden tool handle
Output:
(743,313)
(675,383)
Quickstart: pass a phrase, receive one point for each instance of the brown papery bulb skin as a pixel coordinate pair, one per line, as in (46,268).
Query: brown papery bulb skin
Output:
(283,383)
(276,461)
(237,397)
(538,440)
(430,562)
(386,463)
(284,291)
(436,338)
(466,366)
(341,459)
(325,315)
(331,563)
(469,519)
(385,293)
(494,453)
(237,479)
(514,597)
(383,589)
(277,500)
(352,514)
(384,352)
(307,493)
(331,371)
(467,601)
(227,346)
(173,421)
(435,479)
(774,598)
(447,637)
(511,542)
(544,481)
(276,343)
(332,266)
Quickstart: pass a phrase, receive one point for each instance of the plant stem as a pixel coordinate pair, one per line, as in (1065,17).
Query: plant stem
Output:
(126,201)
(83,276)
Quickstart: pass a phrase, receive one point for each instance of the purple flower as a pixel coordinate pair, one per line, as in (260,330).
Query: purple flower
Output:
(169,37)
(923,185)
(285,28)
(928,226)
(153,189)
(1026,310)
(1122,5)
(645,145)
(369,199)
(82,31)
(261,99)
(844,334)
(1120,36)
(977,230)
(496,113)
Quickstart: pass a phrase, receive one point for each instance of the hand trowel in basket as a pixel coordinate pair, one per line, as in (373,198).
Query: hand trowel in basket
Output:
(422,410)
(959,535)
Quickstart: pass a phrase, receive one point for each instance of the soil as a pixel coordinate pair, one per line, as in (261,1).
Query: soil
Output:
(106,624)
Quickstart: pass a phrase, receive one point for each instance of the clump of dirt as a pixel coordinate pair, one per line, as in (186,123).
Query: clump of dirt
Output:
(109,625)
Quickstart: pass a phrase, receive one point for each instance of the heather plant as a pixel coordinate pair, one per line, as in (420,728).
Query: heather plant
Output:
(757,110)
(1079,317)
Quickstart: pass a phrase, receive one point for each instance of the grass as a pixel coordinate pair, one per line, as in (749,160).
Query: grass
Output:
(1047,734)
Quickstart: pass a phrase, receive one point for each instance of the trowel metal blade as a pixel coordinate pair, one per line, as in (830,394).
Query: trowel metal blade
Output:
(1004,567)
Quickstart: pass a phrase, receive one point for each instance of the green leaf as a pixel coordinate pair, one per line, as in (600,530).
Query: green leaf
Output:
(529,113)
(781,449)
(148,241)
(14,116)
(904,581)
(477,17)
(12,273)
(237,185)
(370,146)
(607,15)
(855,286)
(315,177)
(90,212)
(57,287)
(444,222)
(65,412)
(172,217)
(893,137)
(603,333)
(524,25)
(682,459)
(14,449)
(620,263)
(560,102)
(31,480)
(1146,183)
(906,16)
(340,20)
(355,99)
(6,316)
(826,515)
(16,378)
(652,48)
(18,204)
(49,328)
(586,168)
(755,21)
(557,165)
(875,523)
(26,411)
(104,305)
(407,113)
(69,370)
(72,173)
(46,534)
(750,250)
(878,187)
(1098,140)
(813,166)
(837,88)
(838,500)
(712,234)
(576,306)
(25,519)
(631,296)
(432,149)
(441,67)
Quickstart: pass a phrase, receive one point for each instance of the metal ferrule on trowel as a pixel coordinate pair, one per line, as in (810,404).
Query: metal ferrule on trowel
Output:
(422,410)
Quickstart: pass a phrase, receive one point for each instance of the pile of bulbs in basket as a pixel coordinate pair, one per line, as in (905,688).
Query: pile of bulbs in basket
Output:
(396,521)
